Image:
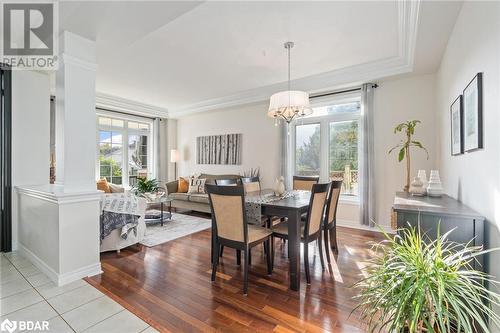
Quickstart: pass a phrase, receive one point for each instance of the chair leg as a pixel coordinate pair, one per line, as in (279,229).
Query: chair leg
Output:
(215,261)
(221,250)
(238,257)
(268,257)
(264,244)
(320,246)
(333,239)
(306,263)
(272,251)
(327,246)
(246,254)
(249,257)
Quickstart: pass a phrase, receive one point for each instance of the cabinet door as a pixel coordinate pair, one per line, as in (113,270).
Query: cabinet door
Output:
(463,228)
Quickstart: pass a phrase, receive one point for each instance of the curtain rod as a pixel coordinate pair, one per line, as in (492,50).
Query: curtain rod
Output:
(124,113)
(338,92)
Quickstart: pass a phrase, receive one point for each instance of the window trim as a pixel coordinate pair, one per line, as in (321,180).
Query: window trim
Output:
(125,131)
(324,122)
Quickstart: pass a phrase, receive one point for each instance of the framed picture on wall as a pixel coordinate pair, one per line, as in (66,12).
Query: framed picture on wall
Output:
(456,113)
(473,114)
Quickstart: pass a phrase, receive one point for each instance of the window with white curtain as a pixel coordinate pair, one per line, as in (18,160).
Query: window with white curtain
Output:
(326,144)
(125,148)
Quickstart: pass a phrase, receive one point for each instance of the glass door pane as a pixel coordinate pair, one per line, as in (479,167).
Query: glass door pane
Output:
(307,150)
(137,157)
(343,161)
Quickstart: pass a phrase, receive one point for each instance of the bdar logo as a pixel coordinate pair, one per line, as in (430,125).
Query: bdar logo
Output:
(8,326)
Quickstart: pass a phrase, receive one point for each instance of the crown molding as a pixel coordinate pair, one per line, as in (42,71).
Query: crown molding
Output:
(115,103)
(408,19)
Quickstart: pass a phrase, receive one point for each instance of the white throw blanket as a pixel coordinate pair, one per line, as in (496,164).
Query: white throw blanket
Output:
(119,211)
(123,203)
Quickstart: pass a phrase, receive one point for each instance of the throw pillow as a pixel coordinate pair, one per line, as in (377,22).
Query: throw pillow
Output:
(116,188)
(182,185)
(196,185)
(102,184)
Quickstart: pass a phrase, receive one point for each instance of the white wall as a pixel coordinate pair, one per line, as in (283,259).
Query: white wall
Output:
(396,101)
(260,140)
(30,134)
(474,178)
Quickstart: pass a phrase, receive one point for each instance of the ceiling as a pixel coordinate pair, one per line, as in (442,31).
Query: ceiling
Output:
(194,56)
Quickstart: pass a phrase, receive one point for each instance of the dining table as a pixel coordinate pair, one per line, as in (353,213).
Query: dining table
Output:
(291,205)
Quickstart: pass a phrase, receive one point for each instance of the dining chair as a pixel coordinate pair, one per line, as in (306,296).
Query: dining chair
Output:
(330,219)
(304,183)
(227,182)
(230,227)
(310,230)
(251,184)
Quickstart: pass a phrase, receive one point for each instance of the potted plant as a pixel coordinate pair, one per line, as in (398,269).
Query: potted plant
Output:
(405,146)
(418,285)
(145,186)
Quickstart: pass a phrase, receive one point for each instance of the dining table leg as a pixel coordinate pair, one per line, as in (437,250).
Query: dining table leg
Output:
(294,248)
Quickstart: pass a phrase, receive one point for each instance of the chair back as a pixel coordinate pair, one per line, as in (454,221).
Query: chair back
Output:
(251,184)
(304,183)
(227,182)
(332,202)
(227,204)
(317,203)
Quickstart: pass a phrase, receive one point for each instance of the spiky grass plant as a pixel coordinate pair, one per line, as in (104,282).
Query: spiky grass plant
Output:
(415,284)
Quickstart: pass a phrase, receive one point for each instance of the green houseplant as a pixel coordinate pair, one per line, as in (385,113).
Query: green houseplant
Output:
(145,186)
(405,146)
(418,285)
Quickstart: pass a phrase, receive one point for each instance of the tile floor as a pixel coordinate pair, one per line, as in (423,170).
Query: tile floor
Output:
(28,294)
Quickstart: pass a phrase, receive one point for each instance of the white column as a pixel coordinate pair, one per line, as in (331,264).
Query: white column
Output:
(75,114)
(59,224)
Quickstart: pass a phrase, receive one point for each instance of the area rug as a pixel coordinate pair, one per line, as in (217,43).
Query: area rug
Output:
(180,226)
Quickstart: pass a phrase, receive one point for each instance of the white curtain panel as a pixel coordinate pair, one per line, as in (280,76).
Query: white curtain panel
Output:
(366,151)
(161,151)
(286,155)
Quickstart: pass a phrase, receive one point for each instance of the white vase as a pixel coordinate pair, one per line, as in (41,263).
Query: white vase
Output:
(423,177)
(279,186)
(417,187)
(434,187)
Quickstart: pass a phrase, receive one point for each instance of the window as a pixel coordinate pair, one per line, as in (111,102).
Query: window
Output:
(326,144)
(307,150)
(125,149)
(343,155)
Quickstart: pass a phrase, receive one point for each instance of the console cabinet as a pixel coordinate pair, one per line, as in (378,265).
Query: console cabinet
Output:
(446,212)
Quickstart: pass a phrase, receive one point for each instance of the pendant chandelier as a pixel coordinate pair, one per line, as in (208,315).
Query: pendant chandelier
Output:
(290,104)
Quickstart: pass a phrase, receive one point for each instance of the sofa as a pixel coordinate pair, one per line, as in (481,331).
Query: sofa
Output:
(196,202)
(114,242)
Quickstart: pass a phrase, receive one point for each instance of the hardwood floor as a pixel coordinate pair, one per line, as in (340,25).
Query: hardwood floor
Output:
(169,287)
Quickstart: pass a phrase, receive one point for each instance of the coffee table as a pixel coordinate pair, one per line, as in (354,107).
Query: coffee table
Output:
(163,216)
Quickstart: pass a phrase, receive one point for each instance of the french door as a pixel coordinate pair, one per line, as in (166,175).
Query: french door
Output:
(5,164)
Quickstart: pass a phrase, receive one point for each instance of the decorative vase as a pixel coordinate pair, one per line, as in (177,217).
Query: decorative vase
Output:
(279,186)
(423,177)
(417,187)
(434,187)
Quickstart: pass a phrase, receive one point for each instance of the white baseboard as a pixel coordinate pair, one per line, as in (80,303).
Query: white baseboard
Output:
(357,225)
(60,279)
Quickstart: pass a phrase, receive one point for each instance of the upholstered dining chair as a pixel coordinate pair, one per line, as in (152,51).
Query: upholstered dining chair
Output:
(310,230)
(251,184)
(304,183)
(230,227)
(330,219)
(227,182)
